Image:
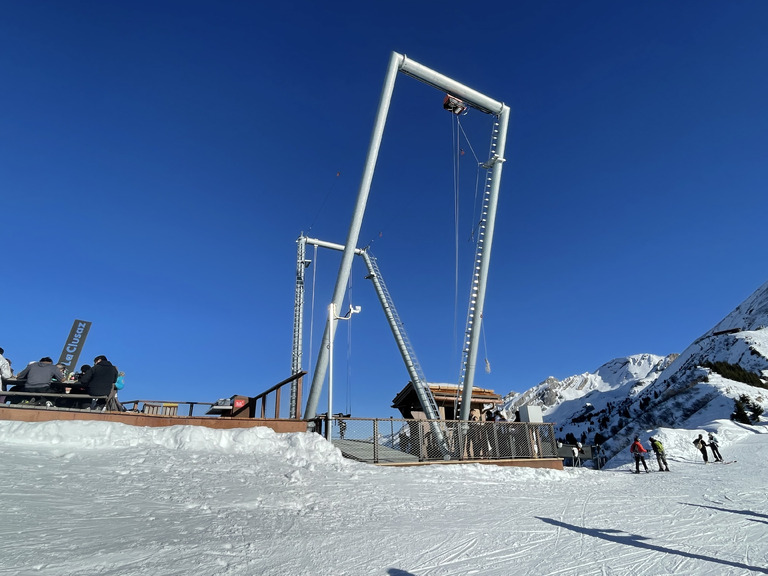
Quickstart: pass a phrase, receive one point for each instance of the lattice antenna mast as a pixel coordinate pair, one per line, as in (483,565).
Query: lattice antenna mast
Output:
(416,374)
(399,63)
(298,314)
(397,326)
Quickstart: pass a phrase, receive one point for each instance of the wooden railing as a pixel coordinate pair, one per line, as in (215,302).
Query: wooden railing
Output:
(168,407)
(298,377)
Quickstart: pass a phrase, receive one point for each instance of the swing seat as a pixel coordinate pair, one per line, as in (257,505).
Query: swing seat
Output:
(453,104)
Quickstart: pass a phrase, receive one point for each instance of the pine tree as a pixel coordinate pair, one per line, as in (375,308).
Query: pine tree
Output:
(739,412)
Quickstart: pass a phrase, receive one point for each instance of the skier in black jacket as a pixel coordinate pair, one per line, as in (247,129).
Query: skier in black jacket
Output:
(701,446)
(100,379)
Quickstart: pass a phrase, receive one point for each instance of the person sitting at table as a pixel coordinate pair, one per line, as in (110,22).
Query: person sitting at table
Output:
(99,379)
(75,382)
(78,387)
(61,366)
(74,386)
(38,377)
(59,386)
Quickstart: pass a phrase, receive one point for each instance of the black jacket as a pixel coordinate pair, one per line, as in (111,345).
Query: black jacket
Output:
(100,378)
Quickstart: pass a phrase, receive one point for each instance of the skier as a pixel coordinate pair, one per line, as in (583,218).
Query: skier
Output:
(578,450)
(714,446)
(701,445)
(638,452)
(658,449)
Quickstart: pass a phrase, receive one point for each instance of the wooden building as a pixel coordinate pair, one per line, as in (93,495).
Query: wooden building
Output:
(407,402)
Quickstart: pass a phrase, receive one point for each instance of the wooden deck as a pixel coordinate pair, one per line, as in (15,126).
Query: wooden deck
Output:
(364,452)
(23,413)
(360,450)
(549,463)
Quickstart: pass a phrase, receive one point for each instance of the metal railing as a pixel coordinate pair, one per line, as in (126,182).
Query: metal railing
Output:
(402,441)
(255,406)
(576,455)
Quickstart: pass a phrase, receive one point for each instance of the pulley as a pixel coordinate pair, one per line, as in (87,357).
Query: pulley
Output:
(454,105)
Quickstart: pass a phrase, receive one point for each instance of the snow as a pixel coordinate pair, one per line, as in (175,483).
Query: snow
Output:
(83,498)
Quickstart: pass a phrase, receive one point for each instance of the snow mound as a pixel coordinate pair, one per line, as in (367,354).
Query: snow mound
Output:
(90,435)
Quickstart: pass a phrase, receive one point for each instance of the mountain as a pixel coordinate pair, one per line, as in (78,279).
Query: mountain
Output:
(644,392)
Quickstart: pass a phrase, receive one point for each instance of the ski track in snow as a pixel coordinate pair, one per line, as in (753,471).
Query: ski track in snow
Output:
(219,503)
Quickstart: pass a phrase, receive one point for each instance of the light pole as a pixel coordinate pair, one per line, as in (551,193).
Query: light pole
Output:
(331,318)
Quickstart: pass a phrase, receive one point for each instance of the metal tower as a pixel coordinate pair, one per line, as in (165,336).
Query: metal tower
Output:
(399,63)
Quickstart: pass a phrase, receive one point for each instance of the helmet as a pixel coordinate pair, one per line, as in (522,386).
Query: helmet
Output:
(637,438)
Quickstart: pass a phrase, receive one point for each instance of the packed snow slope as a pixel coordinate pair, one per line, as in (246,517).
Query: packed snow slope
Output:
(628,395)
(84,498)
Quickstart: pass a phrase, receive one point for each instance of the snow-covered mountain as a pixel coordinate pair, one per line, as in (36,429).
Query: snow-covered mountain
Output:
(627,396)
(616,374)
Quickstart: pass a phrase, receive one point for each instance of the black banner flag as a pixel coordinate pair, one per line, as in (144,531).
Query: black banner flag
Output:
(74,345)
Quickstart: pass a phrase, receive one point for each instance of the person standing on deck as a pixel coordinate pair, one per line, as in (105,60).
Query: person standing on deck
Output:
(5,367)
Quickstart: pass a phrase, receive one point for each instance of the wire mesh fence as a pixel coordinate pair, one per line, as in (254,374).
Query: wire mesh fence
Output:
(400,441)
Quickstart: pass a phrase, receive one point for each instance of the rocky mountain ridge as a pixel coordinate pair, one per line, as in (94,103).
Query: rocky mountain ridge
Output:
(643,392)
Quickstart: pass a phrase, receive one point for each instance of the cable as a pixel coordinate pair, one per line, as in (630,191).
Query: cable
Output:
(312,310)
(485,344)
(348,405)
(455,145)
(322,204)
(477,160)
(455,171)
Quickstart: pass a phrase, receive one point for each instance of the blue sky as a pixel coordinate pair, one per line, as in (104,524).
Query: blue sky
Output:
(158,161)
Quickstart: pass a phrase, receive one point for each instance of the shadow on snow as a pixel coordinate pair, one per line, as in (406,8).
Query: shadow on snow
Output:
(621,537)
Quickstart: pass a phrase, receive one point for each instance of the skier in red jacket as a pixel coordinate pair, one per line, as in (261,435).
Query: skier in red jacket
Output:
(638,452)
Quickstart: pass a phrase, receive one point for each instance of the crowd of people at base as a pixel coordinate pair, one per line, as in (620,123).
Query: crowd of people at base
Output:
(638,451)
(45,377)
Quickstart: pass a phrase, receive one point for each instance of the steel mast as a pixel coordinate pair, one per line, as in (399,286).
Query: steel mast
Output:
(399,62)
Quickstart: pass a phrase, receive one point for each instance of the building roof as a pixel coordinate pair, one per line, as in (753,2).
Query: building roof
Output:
(444,394)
